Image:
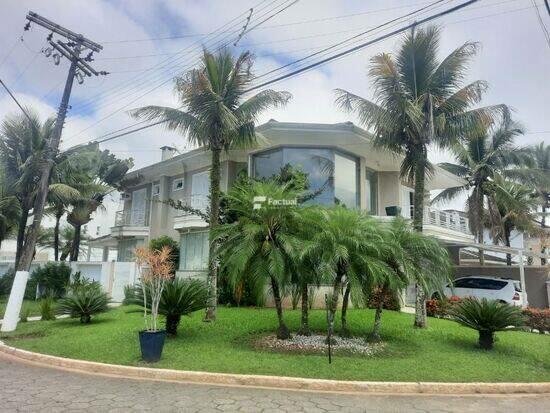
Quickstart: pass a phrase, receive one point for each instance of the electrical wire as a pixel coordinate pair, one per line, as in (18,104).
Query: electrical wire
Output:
(15,100)
(541,23)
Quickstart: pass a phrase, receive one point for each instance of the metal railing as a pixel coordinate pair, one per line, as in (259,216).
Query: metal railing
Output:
(447,219)
(198,202)
(129,219)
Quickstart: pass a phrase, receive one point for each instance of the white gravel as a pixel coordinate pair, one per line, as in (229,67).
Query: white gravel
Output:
(317,344)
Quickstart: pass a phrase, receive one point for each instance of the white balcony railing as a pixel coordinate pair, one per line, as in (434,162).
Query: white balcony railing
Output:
(447,219)
(131,219)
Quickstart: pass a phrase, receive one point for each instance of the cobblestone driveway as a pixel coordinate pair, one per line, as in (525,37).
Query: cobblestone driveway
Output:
(27,388)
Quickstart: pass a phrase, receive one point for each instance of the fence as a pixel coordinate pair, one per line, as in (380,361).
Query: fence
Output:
(112,276)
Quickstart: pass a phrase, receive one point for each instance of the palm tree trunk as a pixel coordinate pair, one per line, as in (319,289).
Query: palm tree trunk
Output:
(282,333)
(76,243)
(213,221)
(344,332)
(21,234)
(486,339)
(507,242)
(56,237)
(543,226)
(304,325)
(479,224)
(334,302)
(420,319)
(172,323)
(375,335)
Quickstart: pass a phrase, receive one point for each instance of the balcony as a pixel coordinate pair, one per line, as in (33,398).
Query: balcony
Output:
(131,224)
(188,219)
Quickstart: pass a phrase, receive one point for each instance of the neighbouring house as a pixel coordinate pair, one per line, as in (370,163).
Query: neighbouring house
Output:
(337,157)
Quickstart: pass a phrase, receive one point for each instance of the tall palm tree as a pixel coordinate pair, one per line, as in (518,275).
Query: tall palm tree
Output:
(512,207)
(262,243)
(420,101)
(538,178)
(214,114)
(10,209)
(484,153)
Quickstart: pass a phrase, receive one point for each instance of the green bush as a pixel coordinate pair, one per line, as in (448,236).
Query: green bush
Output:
(6,282)
(84,301)
(390,299)
(47,308)
(129,294)
(487,317)
(156,244)
(51,279)
(24,315)
(180,297)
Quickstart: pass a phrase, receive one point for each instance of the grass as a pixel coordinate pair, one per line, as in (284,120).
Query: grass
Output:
(443,352)
(31,304)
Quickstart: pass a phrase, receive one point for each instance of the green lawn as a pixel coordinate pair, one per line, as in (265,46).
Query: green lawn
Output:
(31,304)
(444,352)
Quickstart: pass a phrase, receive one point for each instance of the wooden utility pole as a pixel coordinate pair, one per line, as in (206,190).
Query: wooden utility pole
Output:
(71,49)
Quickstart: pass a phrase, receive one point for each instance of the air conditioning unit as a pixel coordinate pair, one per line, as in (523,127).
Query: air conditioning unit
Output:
(125,196)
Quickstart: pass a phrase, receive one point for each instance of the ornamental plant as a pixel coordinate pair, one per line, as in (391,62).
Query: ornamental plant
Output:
(537,319)
(155,268)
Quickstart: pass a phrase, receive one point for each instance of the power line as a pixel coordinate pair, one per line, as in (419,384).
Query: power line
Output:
(541,22)
(323,61)
(16,101)
(147,92)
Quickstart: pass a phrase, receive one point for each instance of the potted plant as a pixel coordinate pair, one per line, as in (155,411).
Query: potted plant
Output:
(155,269)
(393,211)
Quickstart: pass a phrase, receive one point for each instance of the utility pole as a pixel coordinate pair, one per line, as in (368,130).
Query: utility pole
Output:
(71,47)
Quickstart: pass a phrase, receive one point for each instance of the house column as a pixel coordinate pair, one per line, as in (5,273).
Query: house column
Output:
(362,187)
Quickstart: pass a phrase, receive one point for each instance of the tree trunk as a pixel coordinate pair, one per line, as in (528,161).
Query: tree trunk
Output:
(419,187)
(85,318)
(213,221)
(76,243)
(172,323)
(56,237)
(344,332)
(21,234)
(486,339)
(479,224)
(420,317)
(334,302)
(282,333)
(375,335)
(304,325)
(507,242)
(543,226)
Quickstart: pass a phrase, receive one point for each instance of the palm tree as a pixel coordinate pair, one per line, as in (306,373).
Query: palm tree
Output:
(105,175)
(347,246)
(420,101)
(538,178)
(215,115)
(511,207)
(10,209)
(484,153)
(262,243)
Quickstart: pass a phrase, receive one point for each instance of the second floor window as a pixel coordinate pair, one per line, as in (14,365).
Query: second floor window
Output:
(177,184)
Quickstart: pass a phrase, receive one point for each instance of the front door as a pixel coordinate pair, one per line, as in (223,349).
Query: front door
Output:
(137,212)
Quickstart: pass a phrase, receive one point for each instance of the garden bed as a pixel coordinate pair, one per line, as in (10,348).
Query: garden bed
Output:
(446,352)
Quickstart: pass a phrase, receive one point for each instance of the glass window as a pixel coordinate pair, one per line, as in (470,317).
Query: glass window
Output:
(463,283)
(125,250)
(372,192)
(267,164)
(177,184)
(345,181)
(194,251)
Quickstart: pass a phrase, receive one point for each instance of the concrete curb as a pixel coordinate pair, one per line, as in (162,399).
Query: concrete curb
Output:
(275,382)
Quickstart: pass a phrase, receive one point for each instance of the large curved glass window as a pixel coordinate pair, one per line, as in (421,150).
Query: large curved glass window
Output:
(332,175)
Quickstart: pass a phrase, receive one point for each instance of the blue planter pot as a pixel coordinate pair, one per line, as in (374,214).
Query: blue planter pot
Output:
(151,343)
(393,211)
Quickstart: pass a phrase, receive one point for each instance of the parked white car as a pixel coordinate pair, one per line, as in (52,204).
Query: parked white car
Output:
(492,288)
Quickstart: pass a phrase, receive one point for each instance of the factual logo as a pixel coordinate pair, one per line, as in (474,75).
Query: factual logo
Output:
(265,201)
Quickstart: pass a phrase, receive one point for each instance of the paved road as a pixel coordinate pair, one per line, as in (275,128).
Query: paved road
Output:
(25,387)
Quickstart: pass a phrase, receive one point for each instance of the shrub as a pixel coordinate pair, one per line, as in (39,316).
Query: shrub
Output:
(129,294)
(180,297)
(6,282)
(390,299)
(156,244)
(52,279)
(537,319)
(441,308)
(24,315)
(47,309)
(487,317)
(84,301)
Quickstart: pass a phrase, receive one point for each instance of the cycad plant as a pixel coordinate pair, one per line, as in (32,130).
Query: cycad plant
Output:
(180,297)
(215,114)
(487,317)
(420,101)
(83,301)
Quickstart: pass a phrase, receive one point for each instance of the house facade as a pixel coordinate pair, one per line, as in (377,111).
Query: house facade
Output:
(341,163)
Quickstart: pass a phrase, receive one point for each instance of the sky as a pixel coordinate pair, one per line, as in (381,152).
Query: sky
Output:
(147,43)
